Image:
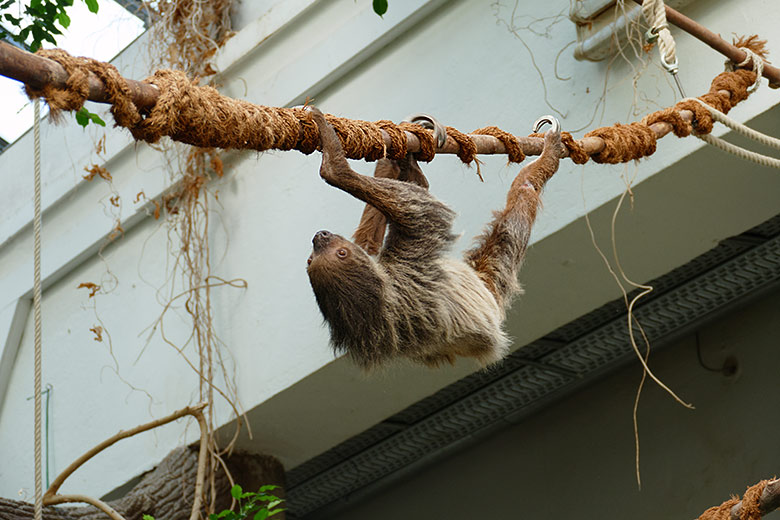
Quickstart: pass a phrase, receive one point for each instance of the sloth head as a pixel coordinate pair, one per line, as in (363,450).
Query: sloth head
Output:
(346,281)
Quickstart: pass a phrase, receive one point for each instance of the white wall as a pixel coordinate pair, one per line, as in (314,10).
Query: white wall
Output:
(455,60)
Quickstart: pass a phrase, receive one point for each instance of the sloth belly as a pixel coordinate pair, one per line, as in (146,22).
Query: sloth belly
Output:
(468,322)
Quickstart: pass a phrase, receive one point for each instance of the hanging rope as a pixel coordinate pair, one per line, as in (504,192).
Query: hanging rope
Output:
(738,127)
(654,12)
(38,514)
(740,152)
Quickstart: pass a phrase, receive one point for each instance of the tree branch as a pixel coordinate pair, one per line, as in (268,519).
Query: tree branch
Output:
(166,492)
(51,497)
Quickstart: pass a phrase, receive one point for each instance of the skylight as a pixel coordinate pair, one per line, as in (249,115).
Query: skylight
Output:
(101,36)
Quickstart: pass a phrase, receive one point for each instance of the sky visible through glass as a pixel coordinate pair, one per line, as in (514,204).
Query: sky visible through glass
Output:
(101,36)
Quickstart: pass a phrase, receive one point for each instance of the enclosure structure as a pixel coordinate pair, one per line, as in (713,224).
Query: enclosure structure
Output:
(689,225)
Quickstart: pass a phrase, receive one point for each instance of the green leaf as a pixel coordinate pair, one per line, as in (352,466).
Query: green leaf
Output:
(35,4)
(82,118)
(261,515)
(273,504)
(276,511)
(64,19)
(267,487)
(236,491)
(96,119)
(148,517)
(92,5)
(380,7)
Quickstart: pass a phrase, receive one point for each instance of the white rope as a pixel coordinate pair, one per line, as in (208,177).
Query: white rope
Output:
(654,12)
(738,127)
(38,512)
(717,142)
(748,132)
(758,66)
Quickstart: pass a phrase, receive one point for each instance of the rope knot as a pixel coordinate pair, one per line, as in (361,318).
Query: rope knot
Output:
(623,143)
(77,91)
(511,144)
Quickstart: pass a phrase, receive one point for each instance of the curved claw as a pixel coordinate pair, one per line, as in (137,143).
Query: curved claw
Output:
(548,119)
(431,123)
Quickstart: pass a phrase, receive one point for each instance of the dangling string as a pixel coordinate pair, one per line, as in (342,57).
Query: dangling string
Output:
(38,513)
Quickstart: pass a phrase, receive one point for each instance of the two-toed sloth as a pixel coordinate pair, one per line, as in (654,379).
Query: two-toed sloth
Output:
(411,300)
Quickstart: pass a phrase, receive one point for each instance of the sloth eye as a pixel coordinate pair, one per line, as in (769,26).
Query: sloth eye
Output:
(308,261)
(341,252)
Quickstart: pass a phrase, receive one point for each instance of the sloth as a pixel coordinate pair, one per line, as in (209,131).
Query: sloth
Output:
(411,300)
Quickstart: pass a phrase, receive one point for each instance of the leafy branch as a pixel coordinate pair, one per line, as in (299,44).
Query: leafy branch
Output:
(41,20)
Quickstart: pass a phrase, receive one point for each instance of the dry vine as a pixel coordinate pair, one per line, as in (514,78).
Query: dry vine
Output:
(186,36)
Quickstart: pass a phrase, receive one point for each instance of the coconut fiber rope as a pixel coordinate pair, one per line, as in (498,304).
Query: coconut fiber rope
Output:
(201,116)
(750,510)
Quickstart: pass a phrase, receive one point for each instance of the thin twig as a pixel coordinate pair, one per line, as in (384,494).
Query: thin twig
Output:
(68,499)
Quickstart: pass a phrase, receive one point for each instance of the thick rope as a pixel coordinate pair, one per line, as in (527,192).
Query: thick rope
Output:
(751,505)
(38,512)
(757,59)
(654,12)
(726,90)
(758,65)
(201,116)
(742,153)
(738,127)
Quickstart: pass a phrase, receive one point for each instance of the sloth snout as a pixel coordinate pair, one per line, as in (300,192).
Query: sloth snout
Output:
(321,239)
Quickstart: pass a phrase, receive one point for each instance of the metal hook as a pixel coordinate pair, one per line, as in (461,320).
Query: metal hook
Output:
(431,123)
(673,68)
(548,119)
(651,35)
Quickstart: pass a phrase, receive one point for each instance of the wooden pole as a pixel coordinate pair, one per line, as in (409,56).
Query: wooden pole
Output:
(767,502)
(37,71)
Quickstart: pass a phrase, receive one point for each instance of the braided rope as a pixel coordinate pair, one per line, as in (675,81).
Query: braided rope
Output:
(738,127)
(654,12)
(38,512)
(758,66)
(740,152)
